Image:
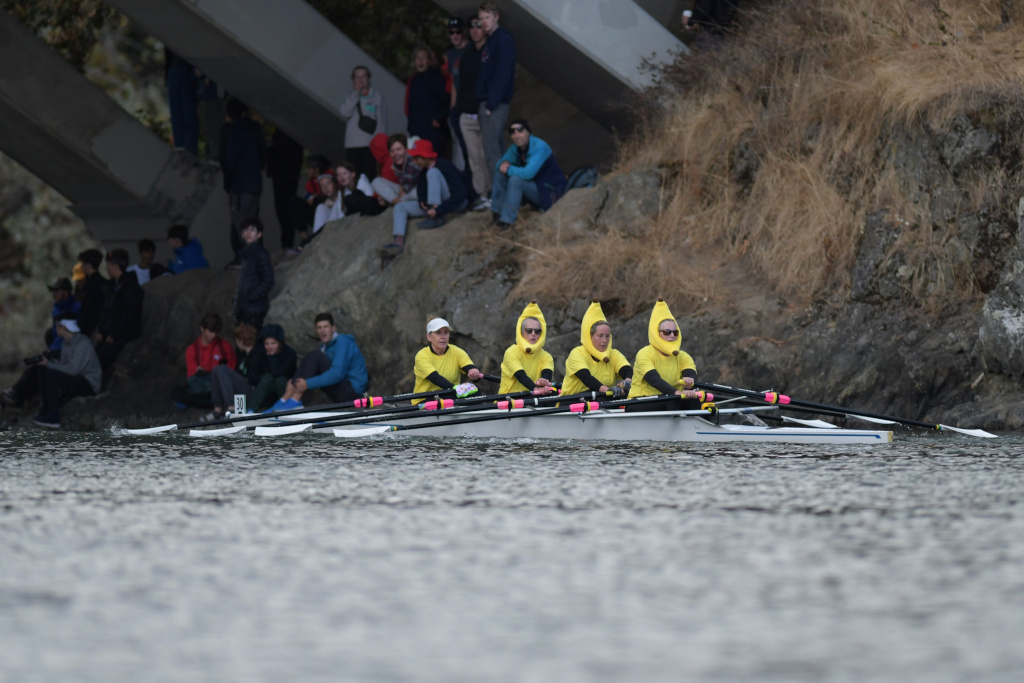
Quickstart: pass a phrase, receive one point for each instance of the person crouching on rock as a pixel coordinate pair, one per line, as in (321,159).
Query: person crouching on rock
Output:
(662,368)
(440,365)
(526,365)
(440,189)
(337,368)
(594,365)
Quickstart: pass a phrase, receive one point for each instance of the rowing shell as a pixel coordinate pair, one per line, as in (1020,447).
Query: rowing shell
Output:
(616,425)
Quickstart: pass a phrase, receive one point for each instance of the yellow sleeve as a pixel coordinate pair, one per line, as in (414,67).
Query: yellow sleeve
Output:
(548,363)
(577,360)
(424,364)
(618,361)
(462,358)
(511,363)
(685,363)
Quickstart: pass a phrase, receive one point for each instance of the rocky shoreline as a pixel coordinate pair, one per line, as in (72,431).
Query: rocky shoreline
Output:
(960,367)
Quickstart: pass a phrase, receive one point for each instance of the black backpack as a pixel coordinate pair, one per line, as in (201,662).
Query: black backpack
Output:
(585,176)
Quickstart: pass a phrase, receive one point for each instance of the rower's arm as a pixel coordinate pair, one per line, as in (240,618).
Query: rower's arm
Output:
(655,380)
(626,372)
(524,379)
(436,378)
(591,382)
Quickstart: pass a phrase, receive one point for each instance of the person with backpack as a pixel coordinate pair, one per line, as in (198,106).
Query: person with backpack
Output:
(528,171)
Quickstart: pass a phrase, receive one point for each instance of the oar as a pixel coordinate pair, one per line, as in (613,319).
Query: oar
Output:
(580,408)
(446,407)
(368,402)
(781,399)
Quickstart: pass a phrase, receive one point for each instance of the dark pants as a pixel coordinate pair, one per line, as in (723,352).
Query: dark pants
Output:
(181,100)
(467,172)
(57,388)
(670,404)
(317,363)
(362,158)
(108,353)
(284,196)
(268,391)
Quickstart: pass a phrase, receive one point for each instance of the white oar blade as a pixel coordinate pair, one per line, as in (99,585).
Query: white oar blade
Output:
(281,431)
(361,432)
(820,424)
(152,430)
(215,432)
(980,433)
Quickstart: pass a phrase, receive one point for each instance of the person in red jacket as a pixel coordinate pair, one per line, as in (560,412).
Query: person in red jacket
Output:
(204,354)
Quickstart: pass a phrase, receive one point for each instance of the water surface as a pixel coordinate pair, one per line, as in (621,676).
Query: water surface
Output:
(165,558)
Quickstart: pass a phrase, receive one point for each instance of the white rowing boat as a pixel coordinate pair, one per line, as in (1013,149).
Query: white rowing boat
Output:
(612,425)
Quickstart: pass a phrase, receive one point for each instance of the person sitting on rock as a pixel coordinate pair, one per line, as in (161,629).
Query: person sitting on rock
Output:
(144,269)
(337,368)
(526,365)
(204,354)
(226,382)
(92,291)
(662,367)
(188,253)
(76,373)
(63,302)
(356,192)
(121,321)
(404,169)
(440,190)
(273,363)
(529,171)
(256,277)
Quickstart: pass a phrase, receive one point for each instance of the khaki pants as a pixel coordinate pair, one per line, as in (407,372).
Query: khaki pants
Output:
(475,149)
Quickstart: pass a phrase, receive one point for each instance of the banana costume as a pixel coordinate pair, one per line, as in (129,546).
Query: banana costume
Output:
(607,367)
(531,360)
(662,357)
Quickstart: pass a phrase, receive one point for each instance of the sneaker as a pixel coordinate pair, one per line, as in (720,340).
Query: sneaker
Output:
(481,204)
(495,218)
(502,225)
(431,224)
(10,398)
(390,250)
(48,420)
(211,416)
(292,404)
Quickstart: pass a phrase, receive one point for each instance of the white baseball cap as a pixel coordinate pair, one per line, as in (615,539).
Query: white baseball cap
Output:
(436,324)
(70,324)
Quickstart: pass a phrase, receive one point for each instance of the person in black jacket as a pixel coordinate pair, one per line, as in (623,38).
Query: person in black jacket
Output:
(256,279)
(273,364)
(121,320)
(427,102)
(91,292)
(243,151)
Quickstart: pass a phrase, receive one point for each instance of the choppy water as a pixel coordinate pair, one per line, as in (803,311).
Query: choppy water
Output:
(164,559)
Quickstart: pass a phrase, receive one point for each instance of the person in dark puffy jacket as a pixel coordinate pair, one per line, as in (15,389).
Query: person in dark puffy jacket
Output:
(256,278)
(426,100)
(273,364)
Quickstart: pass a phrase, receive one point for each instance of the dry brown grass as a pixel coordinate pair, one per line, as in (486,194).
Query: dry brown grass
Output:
(784,140)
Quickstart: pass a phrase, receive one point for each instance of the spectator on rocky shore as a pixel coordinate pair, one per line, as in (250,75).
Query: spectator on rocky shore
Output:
(450,69)
(426,101)
(188,253)
(332,208)
(264,377)
(496,83)
(528,171)
(204,354)
(356,192)
(91,292)
(404,169)
(64,304)
(75,373)
(468,107)
(365,112)
(256,277)
(242,156)
(284,167)
(121,320)
(440,191)
(145,269)
(226,381)
(337,368)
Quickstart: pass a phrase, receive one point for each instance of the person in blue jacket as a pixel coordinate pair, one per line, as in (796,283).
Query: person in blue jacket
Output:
(495,83)
(188,253)
(529,171)
(337,368)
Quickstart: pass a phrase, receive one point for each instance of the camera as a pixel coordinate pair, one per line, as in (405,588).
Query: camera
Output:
(36,360)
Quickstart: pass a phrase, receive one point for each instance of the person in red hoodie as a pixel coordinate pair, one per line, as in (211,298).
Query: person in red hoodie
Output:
(204,354)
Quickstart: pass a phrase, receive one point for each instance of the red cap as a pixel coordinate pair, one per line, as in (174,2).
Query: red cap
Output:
(423,148)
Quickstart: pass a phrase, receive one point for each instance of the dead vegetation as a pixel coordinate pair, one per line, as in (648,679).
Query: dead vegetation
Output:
(780,143)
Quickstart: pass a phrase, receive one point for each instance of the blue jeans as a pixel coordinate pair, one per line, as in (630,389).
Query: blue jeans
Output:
(437,192)
(508,193)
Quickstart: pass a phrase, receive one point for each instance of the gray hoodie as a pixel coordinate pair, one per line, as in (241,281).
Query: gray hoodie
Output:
(78,357)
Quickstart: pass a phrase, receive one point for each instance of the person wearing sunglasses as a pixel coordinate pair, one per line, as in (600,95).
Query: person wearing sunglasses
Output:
(662,368)
(528,171)
(594,365)
(468,106)
(526,365)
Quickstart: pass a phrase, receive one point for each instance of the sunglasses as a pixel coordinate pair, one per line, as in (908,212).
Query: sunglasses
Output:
(516,129)
(531,330)
(476,24)
(455,32)
(669,333)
